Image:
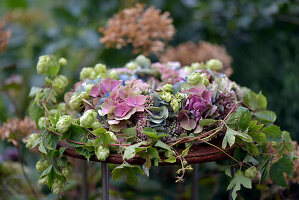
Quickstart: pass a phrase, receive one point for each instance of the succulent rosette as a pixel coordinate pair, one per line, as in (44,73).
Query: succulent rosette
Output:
(149,110)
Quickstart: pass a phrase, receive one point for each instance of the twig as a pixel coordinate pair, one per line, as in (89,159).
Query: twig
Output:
(24,173)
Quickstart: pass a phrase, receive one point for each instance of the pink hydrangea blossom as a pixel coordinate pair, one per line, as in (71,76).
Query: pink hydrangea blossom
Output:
(105,86)
(122,103)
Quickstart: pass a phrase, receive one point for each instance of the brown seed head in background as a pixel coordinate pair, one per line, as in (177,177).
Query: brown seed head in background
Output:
(147,30)
(190,52)
(16,129)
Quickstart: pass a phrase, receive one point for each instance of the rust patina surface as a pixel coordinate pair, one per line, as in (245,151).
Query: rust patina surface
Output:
(199,153)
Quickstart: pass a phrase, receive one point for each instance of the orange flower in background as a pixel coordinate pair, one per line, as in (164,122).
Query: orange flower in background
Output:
(190,52)
(16,129)
(4,37)
(147,30)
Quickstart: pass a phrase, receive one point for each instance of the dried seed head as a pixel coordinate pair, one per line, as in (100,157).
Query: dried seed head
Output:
(147,30)
(189,52)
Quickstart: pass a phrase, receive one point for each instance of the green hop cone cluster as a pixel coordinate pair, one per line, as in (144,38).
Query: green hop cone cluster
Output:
(98,71)
(143,61)
(88,118)
(61,107)
(44,62)
(251,172)
(175,105)
(197,77)
(166,96)
(62,61)
(95,125)
(214,64)
(88,87)
(113,75)
(102,153)
(59,83)
(41,122)
(57,186)
(31,139)
(49,65)
(64,123)
(43,181)
(132,65)
(42,166)
(76,102)
(168,88)
(84,95)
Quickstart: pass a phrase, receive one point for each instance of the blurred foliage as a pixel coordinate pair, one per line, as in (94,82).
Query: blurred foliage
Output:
(262,36)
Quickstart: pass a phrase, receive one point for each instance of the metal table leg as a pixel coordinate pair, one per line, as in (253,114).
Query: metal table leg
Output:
(195,182)
(84,191)
(105,181)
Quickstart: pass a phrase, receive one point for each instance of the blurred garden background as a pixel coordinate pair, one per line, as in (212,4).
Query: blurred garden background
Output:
(261,38)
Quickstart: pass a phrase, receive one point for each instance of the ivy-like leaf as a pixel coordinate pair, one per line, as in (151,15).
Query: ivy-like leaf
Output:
(273,134)
(265,168)
(230,137)
(152,133)
(76,133)
(245,118)
(51,139)
(130,132)
(255,101)
(238,180)
(87,154)
(206,122)
(129,171)
(285,164)
(265,116)
(163,145)
(35,112)
(130,151)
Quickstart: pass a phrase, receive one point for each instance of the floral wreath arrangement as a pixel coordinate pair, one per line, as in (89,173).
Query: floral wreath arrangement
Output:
(150,110)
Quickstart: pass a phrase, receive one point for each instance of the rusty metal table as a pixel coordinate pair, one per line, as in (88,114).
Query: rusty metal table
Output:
(199,153)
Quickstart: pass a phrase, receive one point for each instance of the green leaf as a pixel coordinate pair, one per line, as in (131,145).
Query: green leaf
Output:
(273,134)
(162,145)
(285,164)
(61,151)
(76,133)
(265,168)
(185,152)
(87,154)
(265,116)
(258,137)
(47,171)
(288,140)
(130,132)
(103,139)
(245,118)
(129,171)
(206,122)
(249,159)
(152,133)
(230,137)
(34,90)
(35,112)
(171,159)
(255,101)
(238,180)
(252,149)
(42,148)
(51,139)
(130,151)
(99,131)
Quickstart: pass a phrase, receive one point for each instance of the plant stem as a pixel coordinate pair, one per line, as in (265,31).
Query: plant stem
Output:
(24,173)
